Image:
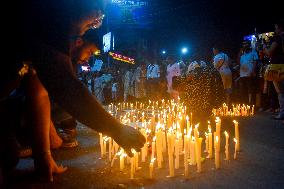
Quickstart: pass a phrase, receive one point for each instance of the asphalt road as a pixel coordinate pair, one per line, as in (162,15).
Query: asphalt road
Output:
(260,164)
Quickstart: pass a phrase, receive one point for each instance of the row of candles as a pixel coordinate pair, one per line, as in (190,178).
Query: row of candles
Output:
(170,133)
(237,110)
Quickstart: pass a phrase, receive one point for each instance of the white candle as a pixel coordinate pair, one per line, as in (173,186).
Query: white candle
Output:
(121,160)
(217,153)
(206,142)
(101,145)
(227,146)
(152,167)
(192,151)
(237,134)
(170,154)
(186,153)
(218,131)
(177,154)
(132,166)
(153,147)
(210,154)
(110,149)
(236,144)
(198,154)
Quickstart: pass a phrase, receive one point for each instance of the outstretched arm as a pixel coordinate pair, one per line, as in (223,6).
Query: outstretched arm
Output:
(63,86)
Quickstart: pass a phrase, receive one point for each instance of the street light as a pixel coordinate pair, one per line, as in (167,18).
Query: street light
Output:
(184,50)
(163,52)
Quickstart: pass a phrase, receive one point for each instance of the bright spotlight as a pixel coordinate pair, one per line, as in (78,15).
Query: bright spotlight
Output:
(163,52)
(184,50)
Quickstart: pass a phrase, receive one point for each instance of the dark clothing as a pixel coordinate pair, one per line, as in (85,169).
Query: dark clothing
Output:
(203,91)
(278,56)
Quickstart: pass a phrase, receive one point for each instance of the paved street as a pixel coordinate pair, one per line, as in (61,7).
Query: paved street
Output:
(260,164)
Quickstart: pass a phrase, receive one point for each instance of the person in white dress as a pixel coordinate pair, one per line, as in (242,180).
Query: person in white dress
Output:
(153,76)
(221,63)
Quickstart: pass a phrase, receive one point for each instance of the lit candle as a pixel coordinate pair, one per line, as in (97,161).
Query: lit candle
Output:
(153,147)
(218,131)
(186,153)
(217,153)
(237,134)
(122,155)
(109,149)
(210,154)
(177,153)
(198,154)
(152,167)
(206,142)
(192,151)
(227,146)
(170,153)
(101,145)
(236,144)
(132,166)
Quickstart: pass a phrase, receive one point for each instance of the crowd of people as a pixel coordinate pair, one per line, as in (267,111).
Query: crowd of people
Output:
(42,81)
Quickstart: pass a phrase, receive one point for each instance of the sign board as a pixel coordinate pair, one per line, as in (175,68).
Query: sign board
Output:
(97,66)
(107,42)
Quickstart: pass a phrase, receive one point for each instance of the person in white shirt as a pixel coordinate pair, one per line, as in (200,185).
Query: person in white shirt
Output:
(139,81)
(114,91)
(247,73)
(128,81)
(221,63)
(153,76)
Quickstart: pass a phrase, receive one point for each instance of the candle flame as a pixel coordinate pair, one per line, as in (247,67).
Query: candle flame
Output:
(235,140)
(217,119)
(235,122)
(153,160)
(226,134)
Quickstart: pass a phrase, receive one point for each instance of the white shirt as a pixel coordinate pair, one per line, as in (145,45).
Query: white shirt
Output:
(247,64)
(221,63)
(153,71)
(173,70)
(114,87)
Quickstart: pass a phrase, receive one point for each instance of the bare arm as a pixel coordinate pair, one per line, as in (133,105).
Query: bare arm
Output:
(75,98)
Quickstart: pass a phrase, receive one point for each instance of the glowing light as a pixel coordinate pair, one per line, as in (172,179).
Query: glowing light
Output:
(184,50)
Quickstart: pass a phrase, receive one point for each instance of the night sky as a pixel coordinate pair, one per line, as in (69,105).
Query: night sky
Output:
(198,24)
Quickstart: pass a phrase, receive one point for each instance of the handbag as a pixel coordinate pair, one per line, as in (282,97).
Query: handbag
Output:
(274,72)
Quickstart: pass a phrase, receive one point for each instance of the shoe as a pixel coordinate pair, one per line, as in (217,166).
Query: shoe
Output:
(278,117)
(269,110)
(69,138)
(25,152)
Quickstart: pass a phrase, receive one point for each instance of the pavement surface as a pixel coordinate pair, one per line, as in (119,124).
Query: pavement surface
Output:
(260,164)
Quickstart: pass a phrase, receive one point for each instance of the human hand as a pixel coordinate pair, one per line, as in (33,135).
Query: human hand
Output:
(129,138)
(46,166)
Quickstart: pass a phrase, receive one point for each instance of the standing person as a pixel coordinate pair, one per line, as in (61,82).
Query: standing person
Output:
(174,69)
(127,81)
(276,54)
(153,77)
(139,81)
(221,63)
(46,40)
(247,73)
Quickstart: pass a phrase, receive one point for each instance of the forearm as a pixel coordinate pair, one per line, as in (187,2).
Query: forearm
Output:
(75,98)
